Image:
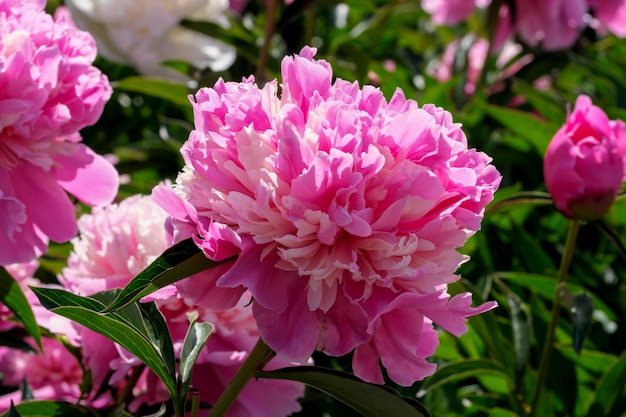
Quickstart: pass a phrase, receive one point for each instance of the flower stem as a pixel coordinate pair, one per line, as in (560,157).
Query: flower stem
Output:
(258,357)
(544,363)
(270,23)
(195,402)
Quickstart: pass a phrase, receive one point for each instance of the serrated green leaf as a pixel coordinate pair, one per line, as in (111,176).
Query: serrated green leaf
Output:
(155,87)
(178,262)
(13,297)
(463,369)
(128,327)
(368,399)
(50,409)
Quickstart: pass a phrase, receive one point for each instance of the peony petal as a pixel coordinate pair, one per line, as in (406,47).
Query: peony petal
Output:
(88,176)
(47,206)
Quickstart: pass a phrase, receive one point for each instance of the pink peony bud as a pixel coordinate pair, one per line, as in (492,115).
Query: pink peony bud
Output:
(583,167)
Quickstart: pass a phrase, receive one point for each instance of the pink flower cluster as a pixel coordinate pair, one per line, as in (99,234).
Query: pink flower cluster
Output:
(552,24)
(345,211)
(585,163)
(49,90)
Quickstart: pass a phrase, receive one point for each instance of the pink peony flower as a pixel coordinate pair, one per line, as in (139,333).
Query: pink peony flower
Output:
(611,14)
(451,12)
(555,24)
(49,90)
(55,374)
(339,204)
(115,243)
(550,24)
(583,167)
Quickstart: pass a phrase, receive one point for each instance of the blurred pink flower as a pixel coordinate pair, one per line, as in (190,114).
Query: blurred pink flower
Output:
(115,243)
(49,90)
(55,374)
(451,12)
(118,241)
(549,24)
(583,167)
(611,14)
(555,24)
(338,204)
(474,60)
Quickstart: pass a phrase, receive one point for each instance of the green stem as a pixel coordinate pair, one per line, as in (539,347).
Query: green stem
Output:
(195,402)
(544,363)
(127,392)
(259,356)
(270,23)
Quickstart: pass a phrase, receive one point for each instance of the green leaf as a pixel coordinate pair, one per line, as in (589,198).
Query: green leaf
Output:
(531,252)
(14,341)
(12,411)
(521,332)
(140,329)
(13,297)
(527,126)
(50,409)
(463,369)
(610,389)
(368,399)
(195,339)
(155,87)
(178,262)
(546,286)
(519,199)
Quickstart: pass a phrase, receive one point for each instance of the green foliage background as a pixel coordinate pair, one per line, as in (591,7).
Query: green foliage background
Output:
(490,371)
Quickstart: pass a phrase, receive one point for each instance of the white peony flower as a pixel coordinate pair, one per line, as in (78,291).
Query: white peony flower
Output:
(146,33)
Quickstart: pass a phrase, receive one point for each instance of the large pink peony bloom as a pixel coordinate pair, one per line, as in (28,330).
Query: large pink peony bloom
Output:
(115,243)
(49,89)
(583,167)
(345,210)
